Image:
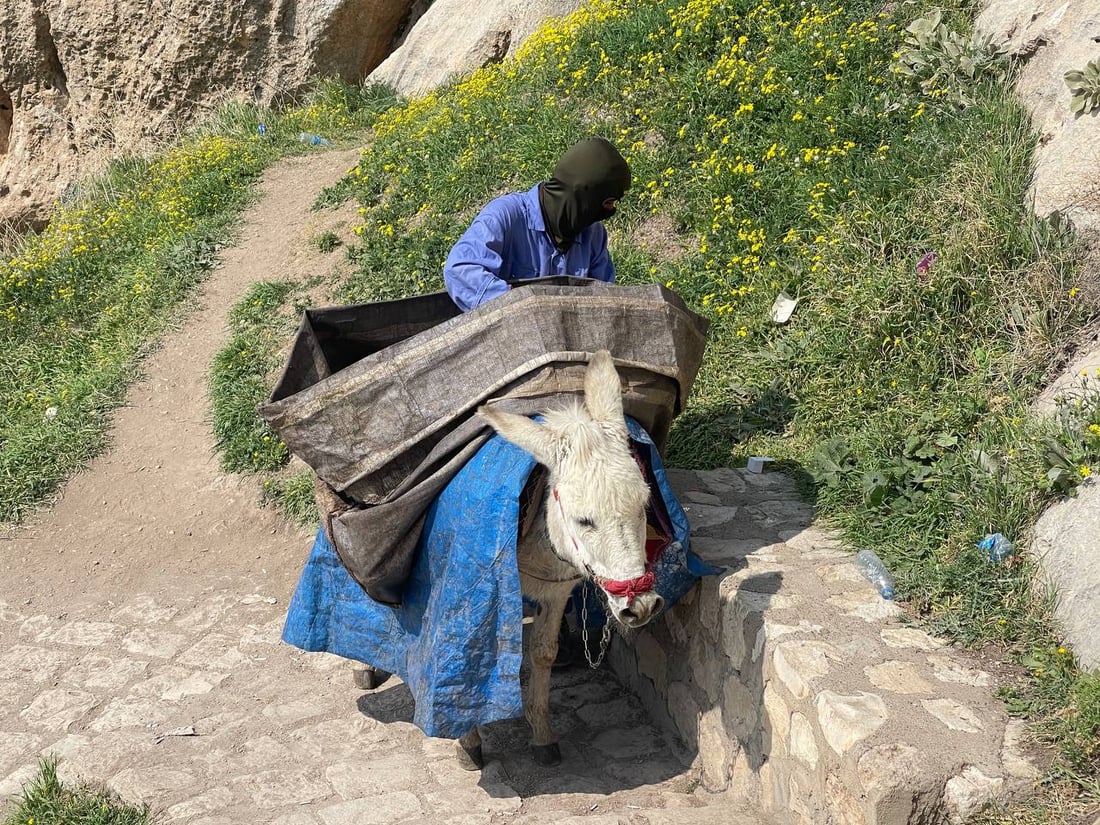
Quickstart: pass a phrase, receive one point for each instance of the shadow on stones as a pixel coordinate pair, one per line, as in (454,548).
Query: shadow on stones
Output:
(389,703)
(754,739)
(608,741)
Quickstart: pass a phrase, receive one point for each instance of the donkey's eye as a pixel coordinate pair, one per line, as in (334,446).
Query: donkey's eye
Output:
(586,523)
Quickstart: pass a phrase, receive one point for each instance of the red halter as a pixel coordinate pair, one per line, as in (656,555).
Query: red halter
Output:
(627,588)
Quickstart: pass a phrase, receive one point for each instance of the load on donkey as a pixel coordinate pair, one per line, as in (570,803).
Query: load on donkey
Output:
(435,528)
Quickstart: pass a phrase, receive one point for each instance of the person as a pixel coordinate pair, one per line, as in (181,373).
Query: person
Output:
(554,228)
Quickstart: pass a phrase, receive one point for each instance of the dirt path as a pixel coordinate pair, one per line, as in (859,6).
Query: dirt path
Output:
(150,600)
(155,511)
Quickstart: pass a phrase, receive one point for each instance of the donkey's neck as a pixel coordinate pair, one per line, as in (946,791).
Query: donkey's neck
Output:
(535,552)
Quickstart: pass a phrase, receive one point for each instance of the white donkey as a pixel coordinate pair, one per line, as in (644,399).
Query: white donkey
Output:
(591,525)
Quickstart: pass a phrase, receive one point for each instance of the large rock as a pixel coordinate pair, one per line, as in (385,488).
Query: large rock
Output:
(1081,379)
(1068,548)
(458,36)
(1054,36)
(83,80)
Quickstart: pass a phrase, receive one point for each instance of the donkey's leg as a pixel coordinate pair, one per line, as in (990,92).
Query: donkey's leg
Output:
(468,749)
(543,651)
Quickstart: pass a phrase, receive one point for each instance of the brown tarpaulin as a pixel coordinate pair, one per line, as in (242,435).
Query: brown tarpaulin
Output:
(380,399)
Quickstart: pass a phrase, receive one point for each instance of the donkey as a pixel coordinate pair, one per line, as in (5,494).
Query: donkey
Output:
(590,525)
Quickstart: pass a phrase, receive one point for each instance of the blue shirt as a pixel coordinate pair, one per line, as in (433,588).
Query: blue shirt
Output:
(508,241)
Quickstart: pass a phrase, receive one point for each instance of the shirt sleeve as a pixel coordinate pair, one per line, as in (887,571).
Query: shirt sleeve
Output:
(601,268)
(472,272)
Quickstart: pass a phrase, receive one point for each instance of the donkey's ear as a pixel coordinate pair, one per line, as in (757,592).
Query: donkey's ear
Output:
(603,394)
(523,432)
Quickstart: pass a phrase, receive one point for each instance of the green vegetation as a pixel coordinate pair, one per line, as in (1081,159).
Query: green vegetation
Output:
(326,241)
(45,800)
(1084,87)
(80,303)
(871,165)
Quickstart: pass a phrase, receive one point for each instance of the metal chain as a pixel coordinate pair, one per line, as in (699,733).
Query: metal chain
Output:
(605,639)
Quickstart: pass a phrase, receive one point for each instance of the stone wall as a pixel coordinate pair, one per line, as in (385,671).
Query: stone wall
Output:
(798,689)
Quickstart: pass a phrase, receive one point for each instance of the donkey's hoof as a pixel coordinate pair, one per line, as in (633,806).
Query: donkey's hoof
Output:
(471,759)
(547,755)
(369,678)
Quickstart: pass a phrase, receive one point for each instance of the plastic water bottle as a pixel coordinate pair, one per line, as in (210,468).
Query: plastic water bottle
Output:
(996,547)
(313,140)
(875,572)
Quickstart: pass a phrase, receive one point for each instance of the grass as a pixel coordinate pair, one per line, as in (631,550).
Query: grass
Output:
(1052,803)
(819,150)
(45,800)
(326,242)
(81,303)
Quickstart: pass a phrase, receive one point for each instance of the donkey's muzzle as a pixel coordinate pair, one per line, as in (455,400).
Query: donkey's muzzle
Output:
(641,609)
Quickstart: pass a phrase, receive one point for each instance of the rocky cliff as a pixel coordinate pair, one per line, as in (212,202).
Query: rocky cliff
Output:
(81,81)
(1049,38)
(456,36)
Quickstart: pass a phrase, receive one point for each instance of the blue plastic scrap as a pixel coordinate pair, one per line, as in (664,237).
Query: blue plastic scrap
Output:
(456,640)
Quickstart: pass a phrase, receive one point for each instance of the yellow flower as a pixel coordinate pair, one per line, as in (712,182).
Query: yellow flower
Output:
(1085,471)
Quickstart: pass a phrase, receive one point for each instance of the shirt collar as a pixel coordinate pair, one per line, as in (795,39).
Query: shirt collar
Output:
(534,211)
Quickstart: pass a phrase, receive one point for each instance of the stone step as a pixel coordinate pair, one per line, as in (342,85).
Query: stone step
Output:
(798,689)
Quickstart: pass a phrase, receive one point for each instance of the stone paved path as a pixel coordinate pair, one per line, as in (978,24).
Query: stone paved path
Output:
(283,736)
(148,602)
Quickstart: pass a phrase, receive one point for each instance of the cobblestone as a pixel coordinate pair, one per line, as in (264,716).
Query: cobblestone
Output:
(282,736)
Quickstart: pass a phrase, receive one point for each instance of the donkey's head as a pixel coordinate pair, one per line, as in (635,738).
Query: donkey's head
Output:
(596,506)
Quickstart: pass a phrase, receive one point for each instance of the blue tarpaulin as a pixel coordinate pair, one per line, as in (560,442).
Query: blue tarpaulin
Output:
(456,639)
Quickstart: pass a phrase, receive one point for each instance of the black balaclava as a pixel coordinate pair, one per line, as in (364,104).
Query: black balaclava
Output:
(572,200)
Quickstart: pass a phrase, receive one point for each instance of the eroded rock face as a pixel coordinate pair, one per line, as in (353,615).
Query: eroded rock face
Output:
(1067,544)
(1053,37)
(81,81)
(458,36)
